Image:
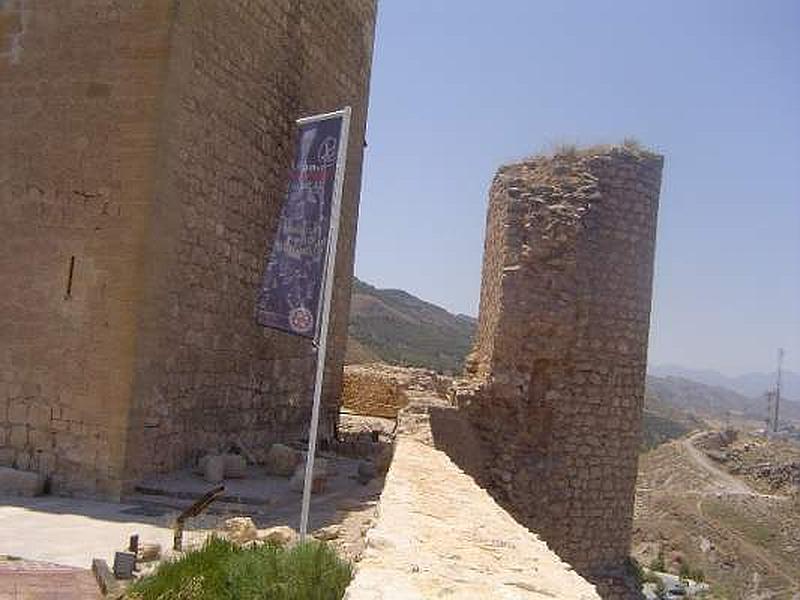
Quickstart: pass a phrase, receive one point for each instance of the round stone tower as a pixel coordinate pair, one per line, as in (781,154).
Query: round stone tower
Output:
(561,350)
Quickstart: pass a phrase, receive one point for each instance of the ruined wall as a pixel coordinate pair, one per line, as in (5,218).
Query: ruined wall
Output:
(372,390)
(151,141)
(79,82)
(561,352)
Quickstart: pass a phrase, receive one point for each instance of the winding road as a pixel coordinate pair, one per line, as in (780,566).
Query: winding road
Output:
(726,483)
(722,481)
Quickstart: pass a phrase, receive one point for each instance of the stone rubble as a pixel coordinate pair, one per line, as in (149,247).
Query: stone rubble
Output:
(239,530)
(319,480)
(280,534)
(282,460)
(15,482)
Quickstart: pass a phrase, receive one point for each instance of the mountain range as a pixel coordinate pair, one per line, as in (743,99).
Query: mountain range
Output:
(714,401)
(393,326)
(749,384)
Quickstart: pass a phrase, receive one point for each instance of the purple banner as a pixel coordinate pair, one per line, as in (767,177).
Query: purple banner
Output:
(290,295)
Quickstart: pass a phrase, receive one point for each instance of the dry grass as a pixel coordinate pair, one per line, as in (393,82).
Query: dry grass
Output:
(572,150)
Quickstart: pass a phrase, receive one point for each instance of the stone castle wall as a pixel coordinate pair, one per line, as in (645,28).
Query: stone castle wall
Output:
(559,362)
(238,77)
(80,83)
(142,164)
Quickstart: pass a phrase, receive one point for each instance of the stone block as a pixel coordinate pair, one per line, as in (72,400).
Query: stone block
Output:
(24,461)
(366,471)
(7,456)
(200,467)
(318,482)
(40,440)
(235,466)
(105,578)
(124,563)
(327,534)
(14,482)
(19,436)
(149,552)
(239,530)
(282,460)
(18,412)
(214,469)
(38,416)
(280,535)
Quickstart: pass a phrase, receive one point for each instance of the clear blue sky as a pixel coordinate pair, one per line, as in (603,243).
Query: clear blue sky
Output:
(459,87)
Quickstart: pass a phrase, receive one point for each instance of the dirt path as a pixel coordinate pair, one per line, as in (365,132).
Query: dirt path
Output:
(724,482)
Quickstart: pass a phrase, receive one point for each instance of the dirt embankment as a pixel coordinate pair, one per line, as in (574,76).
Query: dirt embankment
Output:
(770,466)
(690,508)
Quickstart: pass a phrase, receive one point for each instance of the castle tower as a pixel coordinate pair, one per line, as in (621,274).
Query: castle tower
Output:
(561,349)
(143,162)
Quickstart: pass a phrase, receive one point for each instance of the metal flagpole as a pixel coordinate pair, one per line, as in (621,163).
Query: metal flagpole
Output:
(322,341)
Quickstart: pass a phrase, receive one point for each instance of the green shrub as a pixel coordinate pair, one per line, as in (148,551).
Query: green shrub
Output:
(661,590)
(687,572)
(657,564)
(636,570)
(221,570)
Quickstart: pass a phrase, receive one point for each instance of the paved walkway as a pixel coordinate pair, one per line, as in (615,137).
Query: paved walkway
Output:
(71,531)
(439,535)
(35,580)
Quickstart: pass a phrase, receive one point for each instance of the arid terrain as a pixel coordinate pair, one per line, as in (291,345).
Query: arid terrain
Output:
(742,532)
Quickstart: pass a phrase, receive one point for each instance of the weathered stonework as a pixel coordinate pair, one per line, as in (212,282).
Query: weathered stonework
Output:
(143,160)
(557,374)
(372,390)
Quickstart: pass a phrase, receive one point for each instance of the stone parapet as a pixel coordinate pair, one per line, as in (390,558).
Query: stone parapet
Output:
(438,534)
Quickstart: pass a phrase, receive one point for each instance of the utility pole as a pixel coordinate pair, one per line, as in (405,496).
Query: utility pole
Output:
(769,396)
(778,390)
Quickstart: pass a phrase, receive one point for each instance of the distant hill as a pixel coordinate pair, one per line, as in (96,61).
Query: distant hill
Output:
(711,400)
(752,385)
(395,327)
(685,394)
(662,422)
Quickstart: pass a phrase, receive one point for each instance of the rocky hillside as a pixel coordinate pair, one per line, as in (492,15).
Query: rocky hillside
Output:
(727,513)
(662,422)
(395,327)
